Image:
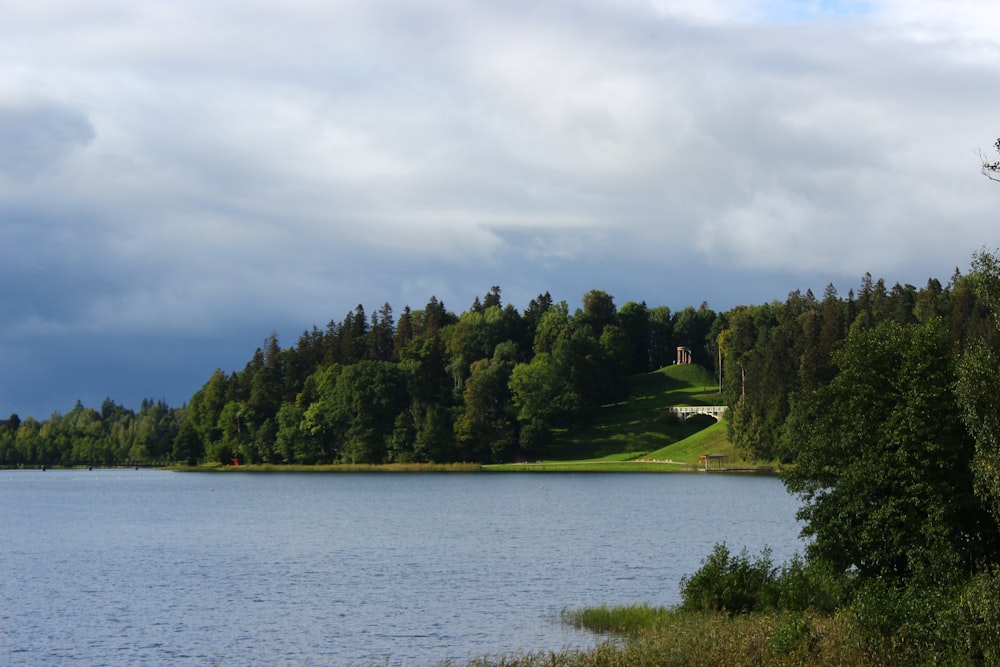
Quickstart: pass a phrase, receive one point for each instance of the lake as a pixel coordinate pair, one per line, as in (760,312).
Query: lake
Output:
(155,567)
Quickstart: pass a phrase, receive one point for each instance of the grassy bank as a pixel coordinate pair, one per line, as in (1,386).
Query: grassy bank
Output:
(642,424)
(641,434)
(664,637)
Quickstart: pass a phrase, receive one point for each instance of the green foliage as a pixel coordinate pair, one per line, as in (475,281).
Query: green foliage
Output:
(565,369)
(487,427)
(84,436)
(775,353)
(978,386)
(979,616)
(978,391)
(295,442)
(543,399)
(623,620)
(634,320)
(599,310)
(691,328)
(884,462)
(735,584)
(811,585)
(357,410)
(918,623)
(793,637)
(188,447)
(662,350)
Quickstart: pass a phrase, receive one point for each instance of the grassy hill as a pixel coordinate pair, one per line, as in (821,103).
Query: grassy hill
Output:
(640,433)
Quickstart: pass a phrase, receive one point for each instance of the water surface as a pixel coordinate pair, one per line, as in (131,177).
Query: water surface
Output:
(153,567)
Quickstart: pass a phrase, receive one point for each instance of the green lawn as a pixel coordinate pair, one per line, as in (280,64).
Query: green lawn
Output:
(640,433)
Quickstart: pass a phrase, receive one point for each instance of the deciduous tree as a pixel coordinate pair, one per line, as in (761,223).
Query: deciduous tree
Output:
(884,462)
(979,384)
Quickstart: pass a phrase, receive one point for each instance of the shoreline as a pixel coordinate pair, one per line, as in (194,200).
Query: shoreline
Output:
(550,466)
(622,467)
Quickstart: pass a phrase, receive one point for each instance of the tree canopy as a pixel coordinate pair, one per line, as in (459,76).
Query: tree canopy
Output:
(884,460)
(493,383)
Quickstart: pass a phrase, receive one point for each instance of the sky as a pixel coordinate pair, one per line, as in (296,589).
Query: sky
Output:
(179,180)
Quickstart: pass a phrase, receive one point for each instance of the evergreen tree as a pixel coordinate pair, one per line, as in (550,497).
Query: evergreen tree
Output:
(633,318)
(188,447)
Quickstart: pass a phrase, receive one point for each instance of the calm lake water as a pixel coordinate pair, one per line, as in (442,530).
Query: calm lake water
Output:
(132,567)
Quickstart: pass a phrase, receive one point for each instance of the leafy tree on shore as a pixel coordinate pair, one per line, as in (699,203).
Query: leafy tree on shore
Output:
(538,394)
(188,447)
(884,464)
(487,426)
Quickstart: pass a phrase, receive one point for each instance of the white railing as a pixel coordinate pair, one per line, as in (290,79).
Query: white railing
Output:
(714,411)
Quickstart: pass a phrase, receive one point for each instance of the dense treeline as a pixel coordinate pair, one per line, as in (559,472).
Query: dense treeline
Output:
(775,355)
(114,435)
(492,383)
(488,385)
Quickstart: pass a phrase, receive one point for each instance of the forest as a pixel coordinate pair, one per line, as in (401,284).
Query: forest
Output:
(493,384)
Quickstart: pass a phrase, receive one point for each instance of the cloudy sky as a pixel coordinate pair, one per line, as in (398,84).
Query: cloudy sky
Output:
(179,179)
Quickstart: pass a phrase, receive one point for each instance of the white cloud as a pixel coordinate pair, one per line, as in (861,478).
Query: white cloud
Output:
(966,25)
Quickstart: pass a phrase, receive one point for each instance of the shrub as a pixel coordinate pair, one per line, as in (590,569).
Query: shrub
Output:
(792,637)
(979,605)
(735,584)
(917,624)
(812,585)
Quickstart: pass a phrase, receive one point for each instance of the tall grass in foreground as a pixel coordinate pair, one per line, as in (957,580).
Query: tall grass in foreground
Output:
(739,609)
(665,638)
(628,620)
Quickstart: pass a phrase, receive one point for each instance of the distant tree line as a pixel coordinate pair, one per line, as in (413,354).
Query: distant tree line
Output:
(114,435)
(487,385)
(493,383)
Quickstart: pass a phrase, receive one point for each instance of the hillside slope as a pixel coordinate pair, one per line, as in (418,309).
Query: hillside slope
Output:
(642,427)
